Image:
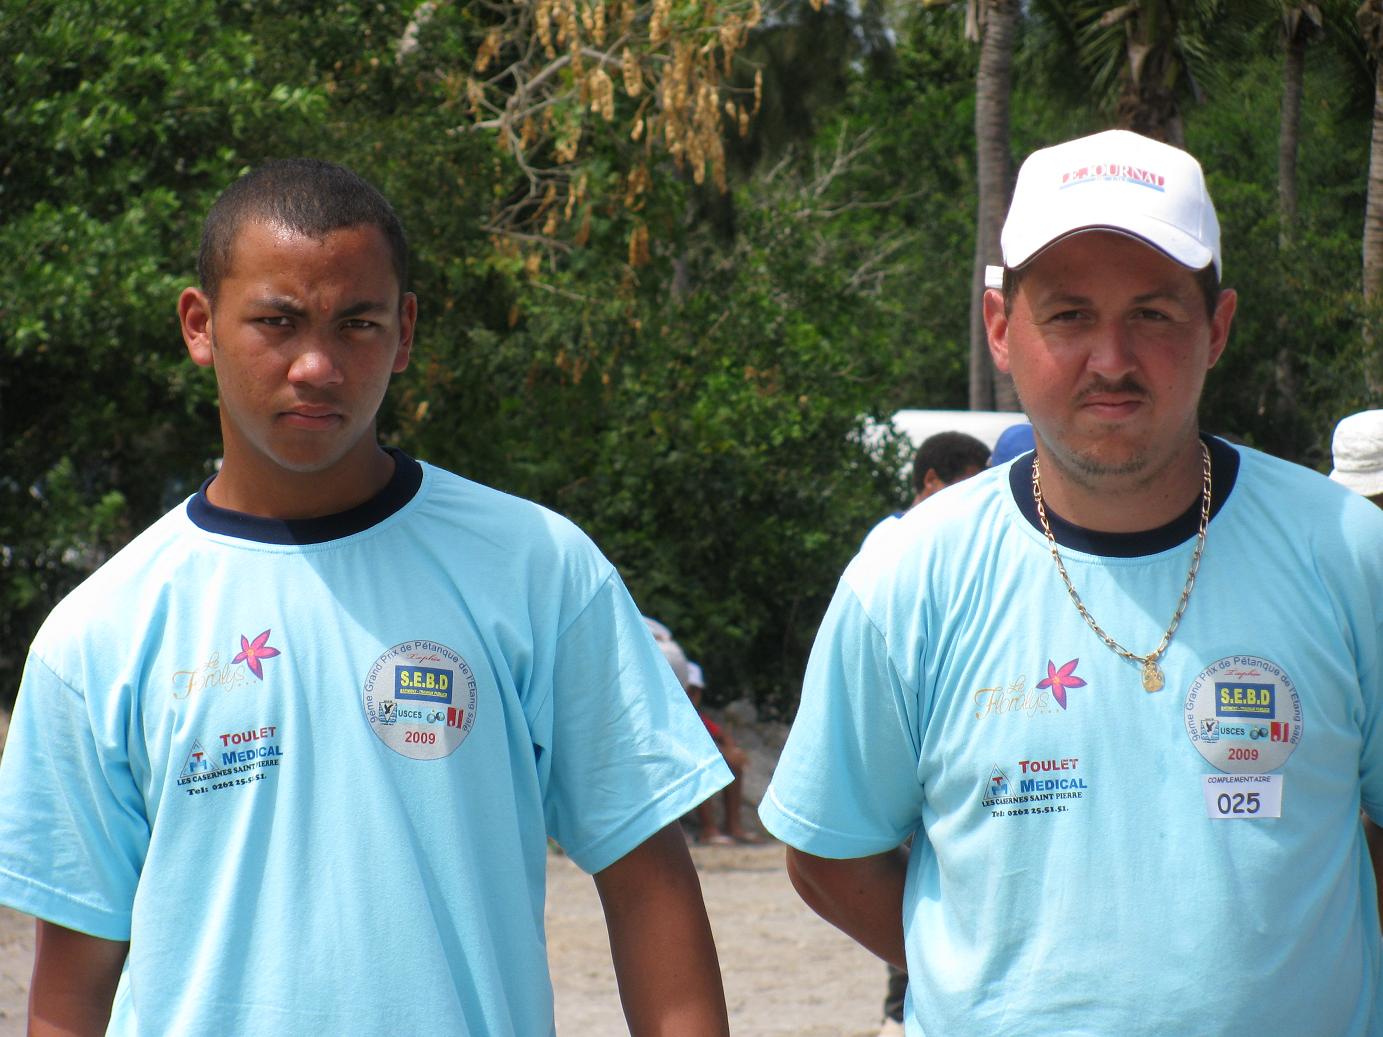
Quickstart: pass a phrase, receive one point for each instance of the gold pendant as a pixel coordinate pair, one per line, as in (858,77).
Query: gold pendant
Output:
(1152,676)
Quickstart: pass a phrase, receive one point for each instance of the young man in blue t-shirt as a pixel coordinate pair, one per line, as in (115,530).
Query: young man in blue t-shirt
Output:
(291,760)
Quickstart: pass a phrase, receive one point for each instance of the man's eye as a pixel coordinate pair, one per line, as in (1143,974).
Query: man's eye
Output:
(1155,315)
(274,322)
(360,325)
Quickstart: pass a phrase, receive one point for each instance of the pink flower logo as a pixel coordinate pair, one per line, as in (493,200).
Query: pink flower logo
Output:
(253,652)
(1060,680)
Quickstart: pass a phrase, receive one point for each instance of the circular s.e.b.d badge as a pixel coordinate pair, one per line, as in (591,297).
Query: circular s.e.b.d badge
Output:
(420,699)
(1243,715)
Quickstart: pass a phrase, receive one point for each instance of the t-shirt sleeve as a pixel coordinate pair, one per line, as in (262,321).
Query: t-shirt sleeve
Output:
(73,830)
(628,753)
(847,783)
(1368,636)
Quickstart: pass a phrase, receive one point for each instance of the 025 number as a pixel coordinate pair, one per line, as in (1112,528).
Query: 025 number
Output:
(1238,803)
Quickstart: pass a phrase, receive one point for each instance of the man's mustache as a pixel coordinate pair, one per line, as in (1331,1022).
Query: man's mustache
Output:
(1126,386)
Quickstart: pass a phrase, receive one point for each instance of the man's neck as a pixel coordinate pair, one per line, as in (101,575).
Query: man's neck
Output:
(1123,503)
(250,490)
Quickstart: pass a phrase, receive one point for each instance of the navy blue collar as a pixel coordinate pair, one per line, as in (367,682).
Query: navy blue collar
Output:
(1224,464)
(402,487)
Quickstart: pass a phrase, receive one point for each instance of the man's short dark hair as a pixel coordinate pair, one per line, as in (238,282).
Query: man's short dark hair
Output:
(307,196)
(950,455)
(1207,279)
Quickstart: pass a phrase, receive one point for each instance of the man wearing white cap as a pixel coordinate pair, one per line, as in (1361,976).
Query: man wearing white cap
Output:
(1124,694)
(1357,449)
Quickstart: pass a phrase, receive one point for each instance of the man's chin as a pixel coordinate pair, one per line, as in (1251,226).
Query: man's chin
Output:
(306,459)
(313,453)
(1103,461)
(308,466)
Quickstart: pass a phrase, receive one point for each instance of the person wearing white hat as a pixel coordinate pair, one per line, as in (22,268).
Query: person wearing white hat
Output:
(1357,450)
(1123,693)
(732,830)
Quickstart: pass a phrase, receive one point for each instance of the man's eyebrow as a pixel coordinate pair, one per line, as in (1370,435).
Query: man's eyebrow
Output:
(281,304)
(1167,294)
(292,308)
(363,306)
(1061,298)
(1057,297)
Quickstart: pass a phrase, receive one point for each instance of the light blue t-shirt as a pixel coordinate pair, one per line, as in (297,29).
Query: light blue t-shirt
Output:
(309,769)
(1090,858)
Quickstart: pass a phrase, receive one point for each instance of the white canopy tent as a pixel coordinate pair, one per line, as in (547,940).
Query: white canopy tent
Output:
(984,425)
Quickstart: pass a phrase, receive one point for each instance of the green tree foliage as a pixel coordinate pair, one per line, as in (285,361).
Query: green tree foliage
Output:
(1145,57)
(1297,359)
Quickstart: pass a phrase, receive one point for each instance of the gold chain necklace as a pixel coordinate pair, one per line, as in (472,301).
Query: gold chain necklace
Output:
(1152,673)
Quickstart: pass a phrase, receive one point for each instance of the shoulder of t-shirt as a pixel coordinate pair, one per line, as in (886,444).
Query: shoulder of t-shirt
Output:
(500,516)
(947,527)
(1339,522)
(102,597)
(945,513)
(1291,487)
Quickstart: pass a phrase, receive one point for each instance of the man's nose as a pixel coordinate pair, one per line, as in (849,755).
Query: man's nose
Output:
(1111,351)
(315,364)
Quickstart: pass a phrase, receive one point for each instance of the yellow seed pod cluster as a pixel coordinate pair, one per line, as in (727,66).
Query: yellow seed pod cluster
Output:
(639,254)
(568,23)
(551,223)
(568,139)
(475,93)
(489,49)
(674,92)
(658,23)
(542,27)
(633,77)
(577,194)
(733,32)
(601,89)
(636,184)
(560,66)
(691,110)
(593,20)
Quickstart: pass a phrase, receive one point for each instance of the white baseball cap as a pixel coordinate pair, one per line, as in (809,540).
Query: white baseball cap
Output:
(1358,453)
(677,659)
(1119,181)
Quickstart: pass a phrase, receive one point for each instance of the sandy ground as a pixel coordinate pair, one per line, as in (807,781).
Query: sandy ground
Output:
(16,959)
(786,972)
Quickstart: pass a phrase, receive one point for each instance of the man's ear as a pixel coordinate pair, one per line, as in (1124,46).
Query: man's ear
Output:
(408,320)
(1220,321)
(996,327)
(194,315)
